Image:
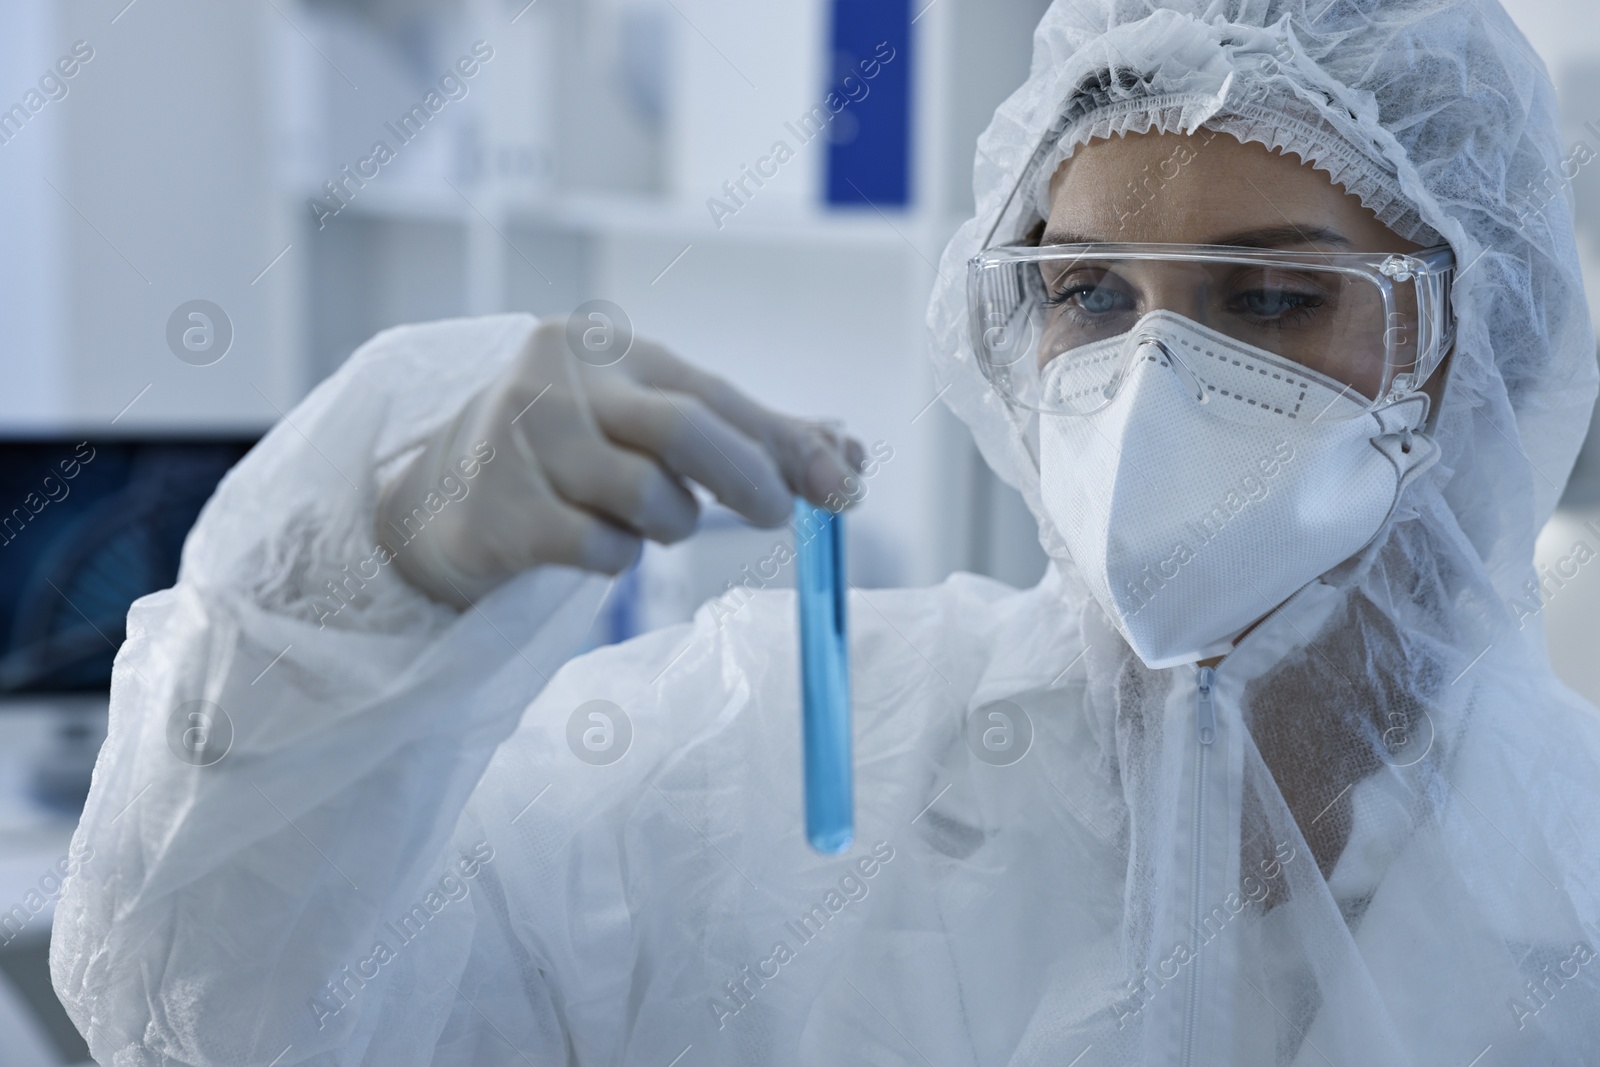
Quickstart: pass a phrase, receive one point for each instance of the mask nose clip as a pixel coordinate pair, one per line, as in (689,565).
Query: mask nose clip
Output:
(1149,344)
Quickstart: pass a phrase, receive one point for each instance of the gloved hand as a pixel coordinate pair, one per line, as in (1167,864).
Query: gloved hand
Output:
(562,461)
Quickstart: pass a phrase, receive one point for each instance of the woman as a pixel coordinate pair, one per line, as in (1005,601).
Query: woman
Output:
(1262,772)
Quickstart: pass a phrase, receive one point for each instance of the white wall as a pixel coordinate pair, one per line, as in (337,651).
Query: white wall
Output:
(30,269)
(148,185)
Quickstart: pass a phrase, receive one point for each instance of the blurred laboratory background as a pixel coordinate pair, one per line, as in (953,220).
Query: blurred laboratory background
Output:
(199,225)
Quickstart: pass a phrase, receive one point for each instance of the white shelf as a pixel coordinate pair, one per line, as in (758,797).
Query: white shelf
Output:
(622,214)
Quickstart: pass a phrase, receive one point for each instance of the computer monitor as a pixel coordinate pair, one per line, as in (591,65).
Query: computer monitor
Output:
(88,524)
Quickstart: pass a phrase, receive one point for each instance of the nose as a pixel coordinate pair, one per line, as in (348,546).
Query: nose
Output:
(1178,290)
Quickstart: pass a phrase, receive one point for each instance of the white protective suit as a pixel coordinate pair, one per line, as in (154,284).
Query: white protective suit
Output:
(1386,856)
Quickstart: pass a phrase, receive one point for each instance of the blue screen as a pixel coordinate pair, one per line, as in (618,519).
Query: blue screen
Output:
(87,526)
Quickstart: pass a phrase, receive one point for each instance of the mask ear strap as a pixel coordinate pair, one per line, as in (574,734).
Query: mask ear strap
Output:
(1403,439)
(1442,371)
(1406,416)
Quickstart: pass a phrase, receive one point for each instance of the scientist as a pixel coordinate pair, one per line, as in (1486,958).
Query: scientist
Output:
(1254,314)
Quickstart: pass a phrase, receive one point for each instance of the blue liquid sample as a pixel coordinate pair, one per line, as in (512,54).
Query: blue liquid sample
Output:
(824,677)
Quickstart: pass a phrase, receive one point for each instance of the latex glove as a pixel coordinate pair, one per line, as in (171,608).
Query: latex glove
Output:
(561,461)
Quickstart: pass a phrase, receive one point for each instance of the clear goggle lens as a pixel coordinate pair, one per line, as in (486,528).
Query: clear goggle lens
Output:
(1056,329)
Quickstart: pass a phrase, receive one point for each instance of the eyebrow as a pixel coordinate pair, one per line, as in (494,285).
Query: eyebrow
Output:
(1287,236)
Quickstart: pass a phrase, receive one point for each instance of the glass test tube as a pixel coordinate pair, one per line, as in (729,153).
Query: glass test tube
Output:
(825,677)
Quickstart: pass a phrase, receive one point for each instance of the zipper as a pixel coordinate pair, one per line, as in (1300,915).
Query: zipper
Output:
(1205,708)
(1206,732)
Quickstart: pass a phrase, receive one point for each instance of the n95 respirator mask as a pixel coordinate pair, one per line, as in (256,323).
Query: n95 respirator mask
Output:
(1215,481)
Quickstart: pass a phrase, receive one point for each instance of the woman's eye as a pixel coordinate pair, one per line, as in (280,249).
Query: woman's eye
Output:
(1092,298)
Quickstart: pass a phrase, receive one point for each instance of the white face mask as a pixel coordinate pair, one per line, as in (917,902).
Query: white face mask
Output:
(1190,520)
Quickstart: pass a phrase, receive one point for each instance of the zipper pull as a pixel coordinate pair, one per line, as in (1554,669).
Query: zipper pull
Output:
(1205,710)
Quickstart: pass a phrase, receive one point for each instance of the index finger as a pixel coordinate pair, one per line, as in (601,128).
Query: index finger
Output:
(688,438)
(817,462)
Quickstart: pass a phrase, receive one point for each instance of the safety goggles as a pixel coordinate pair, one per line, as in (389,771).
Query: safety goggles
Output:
(1056,328)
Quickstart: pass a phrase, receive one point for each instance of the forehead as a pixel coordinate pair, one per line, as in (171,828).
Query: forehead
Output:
(1197,188)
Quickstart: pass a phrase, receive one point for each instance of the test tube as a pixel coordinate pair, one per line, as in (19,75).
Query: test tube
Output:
(824,677)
